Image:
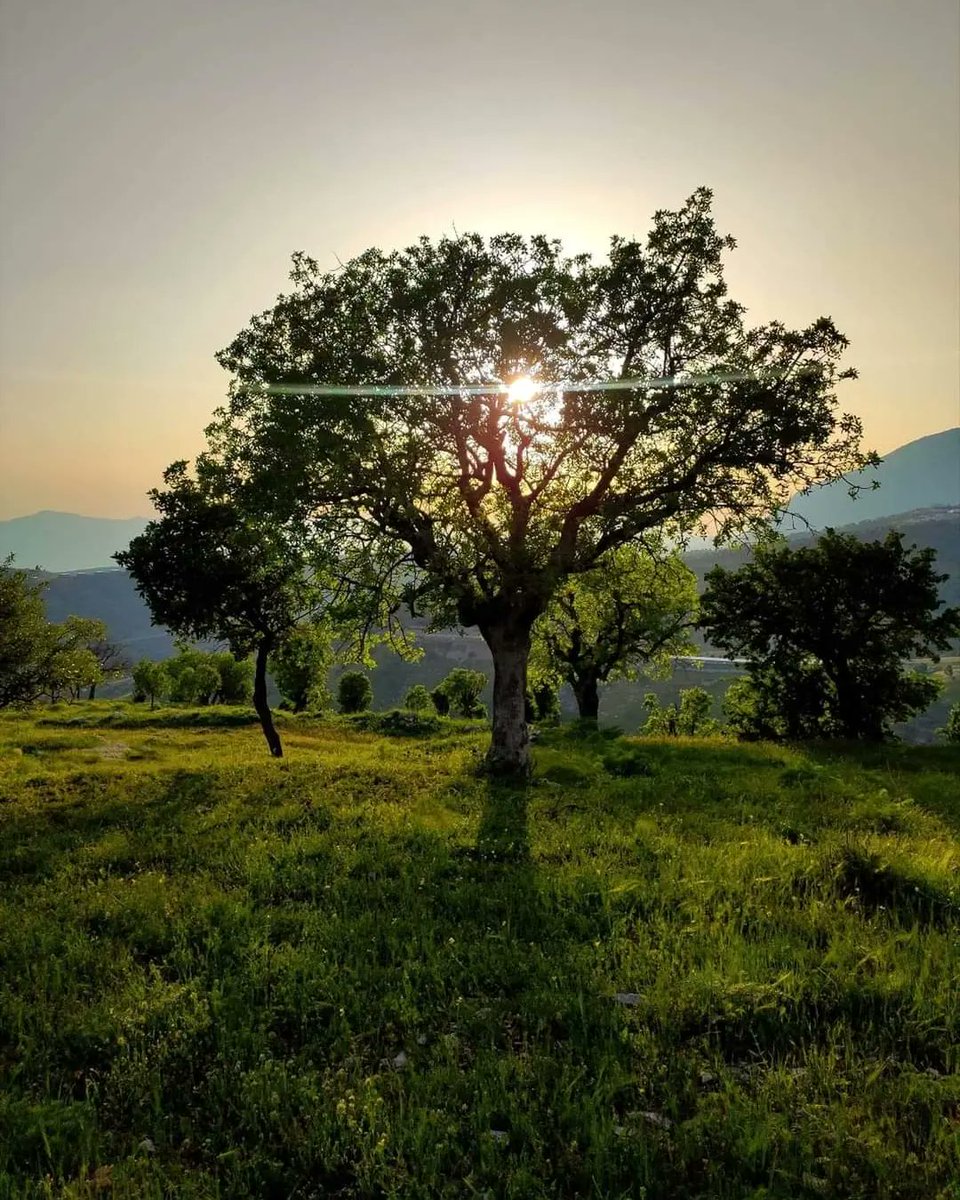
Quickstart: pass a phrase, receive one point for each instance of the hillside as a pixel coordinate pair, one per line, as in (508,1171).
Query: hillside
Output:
(922,474)
(671,970)
(57,541)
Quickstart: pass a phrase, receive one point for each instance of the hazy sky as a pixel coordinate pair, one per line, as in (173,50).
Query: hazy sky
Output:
(160,161)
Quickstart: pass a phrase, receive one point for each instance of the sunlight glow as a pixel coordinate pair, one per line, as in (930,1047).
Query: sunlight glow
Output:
(521,390)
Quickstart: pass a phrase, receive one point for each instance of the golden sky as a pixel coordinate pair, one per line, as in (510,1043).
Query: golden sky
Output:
(159,163)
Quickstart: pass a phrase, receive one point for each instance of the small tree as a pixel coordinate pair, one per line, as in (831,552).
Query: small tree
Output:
(194,676)
(151,681)
(354,692)
(300,665)
(418,699)
(624,618)
(112,660)
(38,658)
(207,568)
(236,678)
(463,688)
(543,699)
(951,731)
(441,701)
(690,717)
(71,670)
(826,629)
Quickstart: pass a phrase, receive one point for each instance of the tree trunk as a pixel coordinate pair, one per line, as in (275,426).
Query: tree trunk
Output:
(586,690)
(92,694)
(509,643)
(260,701)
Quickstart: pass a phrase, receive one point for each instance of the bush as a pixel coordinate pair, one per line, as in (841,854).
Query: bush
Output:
(418,699)
(462,688)
(236,678)
(299,667)
(441,701)
(354,692)
(194,676)
(543,701)
(398,722)
(690,718)
(951,731)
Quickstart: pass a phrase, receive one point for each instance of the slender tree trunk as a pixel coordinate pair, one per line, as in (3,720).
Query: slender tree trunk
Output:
(260,701)
(509,643)
(92,694)
(586,690)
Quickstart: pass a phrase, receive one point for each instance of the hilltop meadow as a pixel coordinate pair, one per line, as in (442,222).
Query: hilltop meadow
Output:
(665,968)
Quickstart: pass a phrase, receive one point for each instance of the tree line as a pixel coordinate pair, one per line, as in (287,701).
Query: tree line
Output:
(823,632)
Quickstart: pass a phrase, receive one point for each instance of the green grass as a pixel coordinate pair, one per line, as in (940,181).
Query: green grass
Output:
(686,969)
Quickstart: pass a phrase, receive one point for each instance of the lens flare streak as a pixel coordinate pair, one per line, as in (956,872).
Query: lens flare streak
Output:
(512,390)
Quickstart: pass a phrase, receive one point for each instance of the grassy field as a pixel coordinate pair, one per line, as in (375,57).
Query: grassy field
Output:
(685,969)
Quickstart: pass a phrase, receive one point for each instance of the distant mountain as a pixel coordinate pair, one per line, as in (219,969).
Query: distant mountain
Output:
(57,541)
(922,474)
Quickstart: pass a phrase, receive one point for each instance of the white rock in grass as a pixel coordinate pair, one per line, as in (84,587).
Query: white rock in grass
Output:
(500,1135)
(147,1146)
(400,1060)
(629,999)
(658,1119)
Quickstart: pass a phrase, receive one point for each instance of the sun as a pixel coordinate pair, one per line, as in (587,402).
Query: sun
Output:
(521,390)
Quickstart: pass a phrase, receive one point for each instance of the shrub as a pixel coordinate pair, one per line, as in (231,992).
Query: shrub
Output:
(354,692)
(236,678)
(299,667)
(194,677)
(462,687)
(398,722)
(689,718)
(543,701)
(951,731)
(418,699)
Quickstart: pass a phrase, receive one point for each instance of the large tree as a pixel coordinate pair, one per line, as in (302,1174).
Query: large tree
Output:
(565,408)
(827,630)
(625,617)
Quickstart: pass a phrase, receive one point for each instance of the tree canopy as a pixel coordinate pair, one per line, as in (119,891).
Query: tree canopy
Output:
(827,629)
(487,503)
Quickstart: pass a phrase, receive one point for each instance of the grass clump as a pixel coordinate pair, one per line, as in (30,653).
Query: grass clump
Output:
(365,971)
